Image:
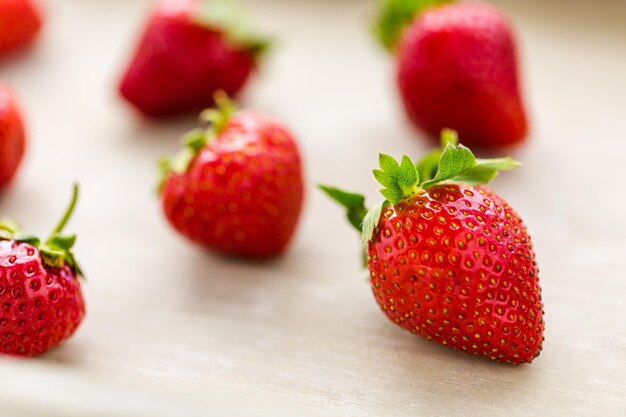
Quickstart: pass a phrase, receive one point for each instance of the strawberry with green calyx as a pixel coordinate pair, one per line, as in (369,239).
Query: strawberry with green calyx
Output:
(189,50)
(456,67)
(40,294)
(449,260)
(236,187)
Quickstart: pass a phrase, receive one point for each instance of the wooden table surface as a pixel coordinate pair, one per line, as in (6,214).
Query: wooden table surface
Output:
(174,331)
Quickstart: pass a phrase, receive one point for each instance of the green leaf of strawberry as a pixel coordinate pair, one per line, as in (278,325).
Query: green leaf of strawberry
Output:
(395,15)
(454,160)
(228,16)
(399,180)
(371,221)
(354,204)
(455,164)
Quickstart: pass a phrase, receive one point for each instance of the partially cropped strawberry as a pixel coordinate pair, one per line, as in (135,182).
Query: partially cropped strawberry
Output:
(12,136)
(457,68)
(41,303)
(20,21)
(237,187)
(189,50)
(449,260)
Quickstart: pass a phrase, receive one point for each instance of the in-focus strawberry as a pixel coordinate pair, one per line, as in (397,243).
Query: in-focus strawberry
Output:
(237,187)
(41,302)
(20,21)
(189,50)
(449,260)
(12,136)
(456,67)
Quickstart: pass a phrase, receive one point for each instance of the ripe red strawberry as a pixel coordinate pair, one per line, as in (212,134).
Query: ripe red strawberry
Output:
(41,303)
(12,136)
(457,68)
(189,50)
(449,260)
(20,22)
(236,188)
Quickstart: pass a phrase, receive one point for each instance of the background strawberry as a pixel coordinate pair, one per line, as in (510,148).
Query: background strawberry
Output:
(449,259)
(236,188)
(189,50)
(20,21)
(41,303)
(457,68)
(12,136)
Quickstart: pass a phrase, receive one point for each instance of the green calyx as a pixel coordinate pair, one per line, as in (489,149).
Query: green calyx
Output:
(56,251)
(227,16)
(354,204)
(451,164)
(194,141)
(395,15)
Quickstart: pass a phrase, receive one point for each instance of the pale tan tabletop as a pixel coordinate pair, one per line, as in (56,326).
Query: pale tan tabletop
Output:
(171,329)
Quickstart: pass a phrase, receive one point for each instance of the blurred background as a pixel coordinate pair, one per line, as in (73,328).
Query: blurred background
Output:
(170,328)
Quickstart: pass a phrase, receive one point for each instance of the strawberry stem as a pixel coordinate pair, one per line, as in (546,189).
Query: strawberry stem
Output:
(66,216)
(218,116)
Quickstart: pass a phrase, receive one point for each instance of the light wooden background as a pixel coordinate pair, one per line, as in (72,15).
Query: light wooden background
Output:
(172,331)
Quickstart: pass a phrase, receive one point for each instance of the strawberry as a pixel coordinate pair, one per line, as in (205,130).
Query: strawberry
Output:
(237,187)
(189,50)
(12,136)
(20,21)
(40,295)
(457,68)
(449,260)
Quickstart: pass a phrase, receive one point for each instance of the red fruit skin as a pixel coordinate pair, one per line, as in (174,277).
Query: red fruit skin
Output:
(20,22)
(40,306)
(12,136)
(454,264)
(242,195)
(457,68)
(180,64)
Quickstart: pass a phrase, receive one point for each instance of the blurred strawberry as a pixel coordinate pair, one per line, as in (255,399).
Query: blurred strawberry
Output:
(20,21)
(12,136)
(457,68)
(189,50)
(236,188)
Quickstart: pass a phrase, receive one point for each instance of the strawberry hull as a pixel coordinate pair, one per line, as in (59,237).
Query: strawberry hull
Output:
(180,63)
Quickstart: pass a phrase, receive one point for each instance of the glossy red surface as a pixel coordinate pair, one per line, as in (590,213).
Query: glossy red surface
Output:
(457,68)
(243,193)
(180,63)
(39,306)
(455,265)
